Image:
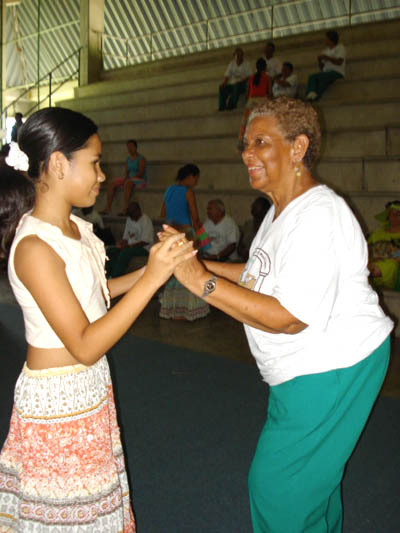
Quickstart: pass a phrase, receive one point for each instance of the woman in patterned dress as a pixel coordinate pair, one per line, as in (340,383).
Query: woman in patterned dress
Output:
(62,466)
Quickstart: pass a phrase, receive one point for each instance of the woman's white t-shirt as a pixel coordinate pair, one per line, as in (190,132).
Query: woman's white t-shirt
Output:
(313,260)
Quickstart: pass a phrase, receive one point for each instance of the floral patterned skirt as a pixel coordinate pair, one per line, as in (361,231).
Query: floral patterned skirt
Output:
(62,466)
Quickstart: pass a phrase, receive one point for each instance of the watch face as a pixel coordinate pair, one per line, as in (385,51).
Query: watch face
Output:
(209,286)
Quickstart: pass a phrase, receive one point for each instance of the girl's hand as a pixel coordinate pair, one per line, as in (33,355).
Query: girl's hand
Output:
(165,256)
(167,231)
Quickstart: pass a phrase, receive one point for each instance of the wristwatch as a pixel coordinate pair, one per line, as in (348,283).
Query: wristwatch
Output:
(209,286)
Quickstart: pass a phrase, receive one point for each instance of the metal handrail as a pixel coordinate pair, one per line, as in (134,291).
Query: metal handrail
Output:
(49,75)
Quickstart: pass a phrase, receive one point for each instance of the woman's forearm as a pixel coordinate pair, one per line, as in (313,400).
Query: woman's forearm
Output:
(230,271)
(252,308)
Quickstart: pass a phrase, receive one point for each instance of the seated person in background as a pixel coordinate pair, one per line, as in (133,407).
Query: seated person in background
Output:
(285,83)
(260,83)
(235,81)
(135,177)
(259,209)
(222,231)
(273,63)
(332,63)
(136,241)
(384,248)
(260,87)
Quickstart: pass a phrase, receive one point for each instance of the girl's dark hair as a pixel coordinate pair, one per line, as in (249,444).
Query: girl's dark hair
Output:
(261,66)
(53,129)
(187,170)
(133,141)
(17,195)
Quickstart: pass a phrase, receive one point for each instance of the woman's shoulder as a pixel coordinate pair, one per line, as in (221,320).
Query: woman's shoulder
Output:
(321,205)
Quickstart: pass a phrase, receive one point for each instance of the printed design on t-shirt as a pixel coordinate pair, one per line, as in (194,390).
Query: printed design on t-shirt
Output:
(257,269)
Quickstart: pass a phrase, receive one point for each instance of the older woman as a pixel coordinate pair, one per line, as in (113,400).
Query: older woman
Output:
(313,323)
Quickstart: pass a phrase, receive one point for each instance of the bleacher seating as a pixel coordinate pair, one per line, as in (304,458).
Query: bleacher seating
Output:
(170,107)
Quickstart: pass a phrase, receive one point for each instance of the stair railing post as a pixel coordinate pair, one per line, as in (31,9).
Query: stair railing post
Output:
(79,67)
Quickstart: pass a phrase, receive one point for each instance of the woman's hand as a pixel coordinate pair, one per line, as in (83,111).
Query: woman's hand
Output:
(166,255)
(189,271)
(186,271)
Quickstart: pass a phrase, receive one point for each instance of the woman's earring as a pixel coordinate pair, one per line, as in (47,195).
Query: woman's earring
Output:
(297,171)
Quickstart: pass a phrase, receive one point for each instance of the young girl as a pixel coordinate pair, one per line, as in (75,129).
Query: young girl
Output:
(62,467)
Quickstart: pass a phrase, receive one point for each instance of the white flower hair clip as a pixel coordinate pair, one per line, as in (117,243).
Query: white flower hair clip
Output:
(17,158)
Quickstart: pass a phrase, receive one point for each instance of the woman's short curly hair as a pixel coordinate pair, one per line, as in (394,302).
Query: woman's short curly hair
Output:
(295,117)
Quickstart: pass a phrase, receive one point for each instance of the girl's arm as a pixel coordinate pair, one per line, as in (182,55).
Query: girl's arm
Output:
(122,284)
(194,214)
(142,168)
(86,341)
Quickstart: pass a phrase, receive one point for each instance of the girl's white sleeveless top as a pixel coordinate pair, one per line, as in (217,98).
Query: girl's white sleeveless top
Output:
(84,265)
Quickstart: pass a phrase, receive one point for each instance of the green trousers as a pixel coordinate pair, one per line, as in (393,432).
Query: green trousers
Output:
(313,424)
(320,81)
(119,259)
(232,93)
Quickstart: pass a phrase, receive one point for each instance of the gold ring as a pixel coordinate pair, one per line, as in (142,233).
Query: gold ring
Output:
(181,242)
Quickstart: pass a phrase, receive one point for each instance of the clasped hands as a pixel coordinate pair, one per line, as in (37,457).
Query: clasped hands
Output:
(190,269)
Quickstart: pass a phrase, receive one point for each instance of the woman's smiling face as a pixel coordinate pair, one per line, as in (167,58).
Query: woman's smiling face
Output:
(267,155)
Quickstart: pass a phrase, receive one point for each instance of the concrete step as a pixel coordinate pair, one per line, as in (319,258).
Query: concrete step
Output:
(143,97)
(154,112)
(238,202)
(334,117)
(361,114)
(346,175)
(338,144)
(200,126)
(359,143)
(363,90)
(202,98)
(304,61)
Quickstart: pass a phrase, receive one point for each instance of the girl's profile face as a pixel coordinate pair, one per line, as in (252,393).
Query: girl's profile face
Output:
(84,175)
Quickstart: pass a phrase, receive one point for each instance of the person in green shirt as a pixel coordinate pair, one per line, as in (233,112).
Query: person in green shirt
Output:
(384,248)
